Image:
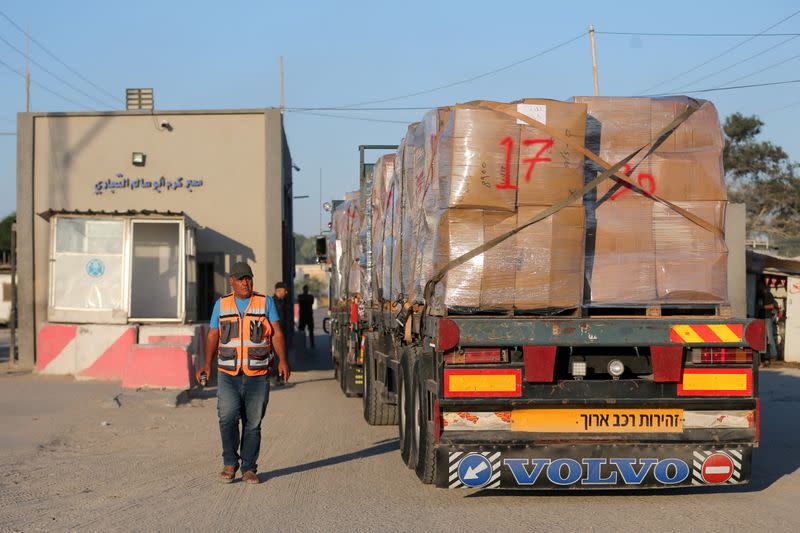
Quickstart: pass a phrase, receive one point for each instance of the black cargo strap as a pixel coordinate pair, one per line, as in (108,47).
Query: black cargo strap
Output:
(610,171)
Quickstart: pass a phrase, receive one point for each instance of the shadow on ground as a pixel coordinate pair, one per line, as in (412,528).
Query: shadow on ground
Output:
(776,457)
(379,448)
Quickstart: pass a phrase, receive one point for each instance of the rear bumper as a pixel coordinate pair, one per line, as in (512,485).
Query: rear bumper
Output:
(592,465)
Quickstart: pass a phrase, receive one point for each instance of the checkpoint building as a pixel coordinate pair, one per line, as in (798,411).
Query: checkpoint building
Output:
(127,225)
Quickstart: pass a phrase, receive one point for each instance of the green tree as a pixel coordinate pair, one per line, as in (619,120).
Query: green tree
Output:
(5,231)
(305,249)
(761,175)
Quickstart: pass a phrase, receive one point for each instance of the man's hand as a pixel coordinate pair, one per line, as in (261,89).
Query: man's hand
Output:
(199,371)
(284,371)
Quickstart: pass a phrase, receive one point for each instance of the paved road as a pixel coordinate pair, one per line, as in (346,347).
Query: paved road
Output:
(72,458)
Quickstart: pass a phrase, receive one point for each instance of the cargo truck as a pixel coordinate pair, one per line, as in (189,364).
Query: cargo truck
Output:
(591,397)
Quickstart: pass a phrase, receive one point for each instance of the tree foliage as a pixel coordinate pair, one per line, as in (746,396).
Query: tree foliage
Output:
(5,231)
(761,175)
(305,249)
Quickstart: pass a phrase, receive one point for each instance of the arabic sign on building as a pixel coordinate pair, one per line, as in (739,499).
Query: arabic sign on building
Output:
(123,183)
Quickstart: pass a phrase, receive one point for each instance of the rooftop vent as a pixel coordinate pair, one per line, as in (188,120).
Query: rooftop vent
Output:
(139,98)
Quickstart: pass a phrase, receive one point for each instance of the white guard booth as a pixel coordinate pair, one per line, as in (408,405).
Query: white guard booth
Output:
(121,267)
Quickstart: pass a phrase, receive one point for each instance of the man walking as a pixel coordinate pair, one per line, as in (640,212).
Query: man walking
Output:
(284,306)
(306,302)
(243,331)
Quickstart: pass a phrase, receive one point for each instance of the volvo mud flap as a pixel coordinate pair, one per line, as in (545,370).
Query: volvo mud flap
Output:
(592,466)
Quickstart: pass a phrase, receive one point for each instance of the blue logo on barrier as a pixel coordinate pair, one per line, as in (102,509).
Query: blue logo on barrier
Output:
(95,268)
(475,470)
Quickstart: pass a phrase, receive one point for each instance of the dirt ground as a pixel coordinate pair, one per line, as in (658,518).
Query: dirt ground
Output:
(89,457)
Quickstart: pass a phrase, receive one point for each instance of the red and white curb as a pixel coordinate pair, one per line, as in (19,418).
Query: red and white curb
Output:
(87,351)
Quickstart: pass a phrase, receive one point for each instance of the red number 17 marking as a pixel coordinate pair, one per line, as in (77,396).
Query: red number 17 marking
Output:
(641,178)
(508,142)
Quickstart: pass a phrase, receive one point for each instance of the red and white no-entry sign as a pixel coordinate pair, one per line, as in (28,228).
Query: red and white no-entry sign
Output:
(717,468)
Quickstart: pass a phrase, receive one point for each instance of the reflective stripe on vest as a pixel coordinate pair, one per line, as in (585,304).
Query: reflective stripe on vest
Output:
(245,341)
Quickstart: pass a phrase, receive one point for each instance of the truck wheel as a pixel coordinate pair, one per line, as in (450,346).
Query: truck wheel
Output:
(376,411)
(423,438)
(403,405)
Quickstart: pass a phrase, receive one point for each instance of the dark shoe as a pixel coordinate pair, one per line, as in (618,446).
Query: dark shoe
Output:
(227,474)
(250,477)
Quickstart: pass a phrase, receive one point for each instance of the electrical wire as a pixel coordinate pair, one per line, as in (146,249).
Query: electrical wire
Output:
(733,65)
(781,108)
(62,80)
(333,108)
(43,87)
(779,63)
(472,78)
(713,89)
(651,34)
(52,55)
(724,52)
(366,119)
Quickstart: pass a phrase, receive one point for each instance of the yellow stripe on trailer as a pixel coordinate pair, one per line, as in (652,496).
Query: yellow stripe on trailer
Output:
(709,381)
(724,333)
(686,333)
(483,383)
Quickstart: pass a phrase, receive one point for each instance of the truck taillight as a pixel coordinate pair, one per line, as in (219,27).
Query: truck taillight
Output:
(721,356)
(471,356)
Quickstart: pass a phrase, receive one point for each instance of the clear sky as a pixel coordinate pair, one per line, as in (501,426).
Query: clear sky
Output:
(208,55)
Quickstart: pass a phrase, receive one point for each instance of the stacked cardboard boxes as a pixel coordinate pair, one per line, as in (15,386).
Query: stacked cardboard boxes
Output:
(469,173)
(639,251)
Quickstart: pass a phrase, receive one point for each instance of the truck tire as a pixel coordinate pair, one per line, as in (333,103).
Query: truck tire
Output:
(403,405)
(423,444)
(376,411)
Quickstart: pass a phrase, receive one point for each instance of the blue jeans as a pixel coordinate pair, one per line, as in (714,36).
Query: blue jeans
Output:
(244,398)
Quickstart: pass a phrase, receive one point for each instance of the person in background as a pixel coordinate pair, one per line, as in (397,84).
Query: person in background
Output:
(306,302)
(284,306)
(243,331)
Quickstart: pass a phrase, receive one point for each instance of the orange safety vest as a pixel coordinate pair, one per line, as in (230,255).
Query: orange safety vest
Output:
(245,342)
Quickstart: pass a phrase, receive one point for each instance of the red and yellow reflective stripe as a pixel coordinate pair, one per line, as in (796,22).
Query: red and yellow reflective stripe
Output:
(706,333)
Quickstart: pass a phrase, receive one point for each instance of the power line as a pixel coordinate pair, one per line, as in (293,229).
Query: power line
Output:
(52,55)
(366,119)
(732,65)
(65,82)
(724,52)
(333,108)
(768,84)
(22,75)
(781,108)
(472,78)
(651,34)
(779,63)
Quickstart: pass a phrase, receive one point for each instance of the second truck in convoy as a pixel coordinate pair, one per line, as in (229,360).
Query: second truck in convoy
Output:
(594,392)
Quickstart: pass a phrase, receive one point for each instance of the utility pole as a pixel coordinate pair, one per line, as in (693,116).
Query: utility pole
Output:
(27,70)
(594,60)
(320,201)
(12,320)
(283,102)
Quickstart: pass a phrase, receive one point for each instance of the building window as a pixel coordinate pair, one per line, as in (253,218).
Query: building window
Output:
(88,264)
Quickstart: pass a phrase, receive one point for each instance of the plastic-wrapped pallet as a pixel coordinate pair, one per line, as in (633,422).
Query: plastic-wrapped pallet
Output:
(484,161)
(381,177)
(347,225)
(639,251)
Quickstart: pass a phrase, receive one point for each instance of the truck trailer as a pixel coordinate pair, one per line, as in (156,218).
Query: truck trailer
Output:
(597,393)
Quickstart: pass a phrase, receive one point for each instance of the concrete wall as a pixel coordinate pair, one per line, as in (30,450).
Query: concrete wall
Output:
(735,219)
(238,155)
